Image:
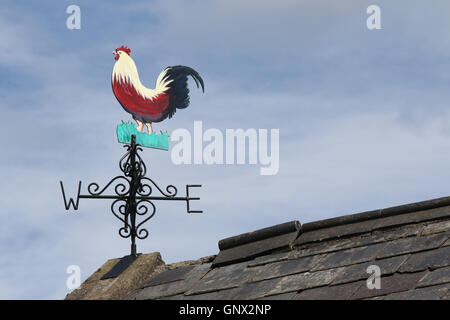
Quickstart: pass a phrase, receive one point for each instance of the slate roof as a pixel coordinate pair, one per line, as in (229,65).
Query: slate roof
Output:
(327,259)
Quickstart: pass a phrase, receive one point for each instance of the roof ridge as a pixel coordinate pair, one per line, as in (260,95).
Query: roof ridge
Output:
(253,244)
(374,214)
(260,234)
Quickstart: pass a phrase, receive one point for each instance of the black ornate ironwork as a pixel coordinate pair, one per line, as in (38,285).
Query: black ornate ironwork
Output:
(134,195)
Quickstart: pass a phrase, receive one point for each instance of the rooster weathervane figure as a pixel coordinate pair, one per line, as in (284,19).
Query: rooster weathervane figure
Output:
(149,105)
(134,193)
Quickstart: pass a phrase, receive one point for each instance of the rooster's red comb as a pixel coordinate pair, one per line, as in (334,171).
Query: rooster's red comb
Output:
(124,49)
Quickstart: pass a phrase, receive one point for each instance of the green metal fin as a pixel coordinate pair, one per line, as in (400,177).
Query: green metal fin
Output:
(156,141)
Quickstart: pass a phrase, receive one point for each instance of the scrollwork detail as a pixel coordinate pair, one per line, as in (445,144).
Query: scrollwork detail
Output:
(171,190)
(121,189)
(142,208)
(120,206)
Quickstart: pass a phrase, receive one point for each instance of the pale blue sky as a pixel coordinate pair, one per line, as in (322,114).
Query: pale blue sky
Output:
(363,118)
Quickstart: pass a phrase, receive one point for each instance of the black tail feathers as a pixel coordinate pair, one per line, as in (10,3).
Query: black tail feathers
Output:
(178,88)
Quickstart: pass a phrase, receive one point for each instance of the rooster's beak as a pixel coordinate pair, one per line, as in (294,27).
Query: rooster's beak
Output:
(116,55)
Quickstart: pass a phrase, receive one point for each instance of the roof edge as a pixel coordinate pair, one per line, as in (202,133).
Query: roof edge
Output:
(261,234)
(373,214)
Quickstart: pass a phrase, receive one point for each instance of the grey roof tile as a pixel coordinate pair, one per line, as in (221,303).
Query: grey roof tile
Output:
(252,250)
(255,290)
(311,249)
(390,284)
(357,241)
(301,281)
(283,296)
(390,234)
(446,296)
(437,227)
(226,294)
(168,276)
(349,256)
(282,268)
(377,219)
(429,293)
(339,292)
(174,297)
(412,217)
(162,290)
(225,277)
(427,259)
(359,271)
(402,231)
(174,287)
(438,276)
(335,232)
(261,234)
(259,261)
(412,244)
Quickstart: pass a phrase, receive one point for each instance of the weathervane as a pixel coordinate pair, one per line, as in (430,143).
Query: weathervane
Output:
(134,196)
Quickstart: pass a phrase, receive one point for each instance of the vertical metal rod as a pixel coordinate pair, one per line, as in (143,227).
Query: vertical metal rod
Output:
(134,172)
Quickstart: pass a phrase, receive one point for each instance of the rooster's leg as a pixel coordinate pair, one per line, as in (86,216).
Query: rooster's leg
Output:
(149,128)
(140,125)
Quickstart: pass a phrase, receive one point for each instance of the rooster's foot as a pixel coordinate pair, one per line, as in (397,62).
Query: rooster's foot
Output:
(149,128)
(140,126)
